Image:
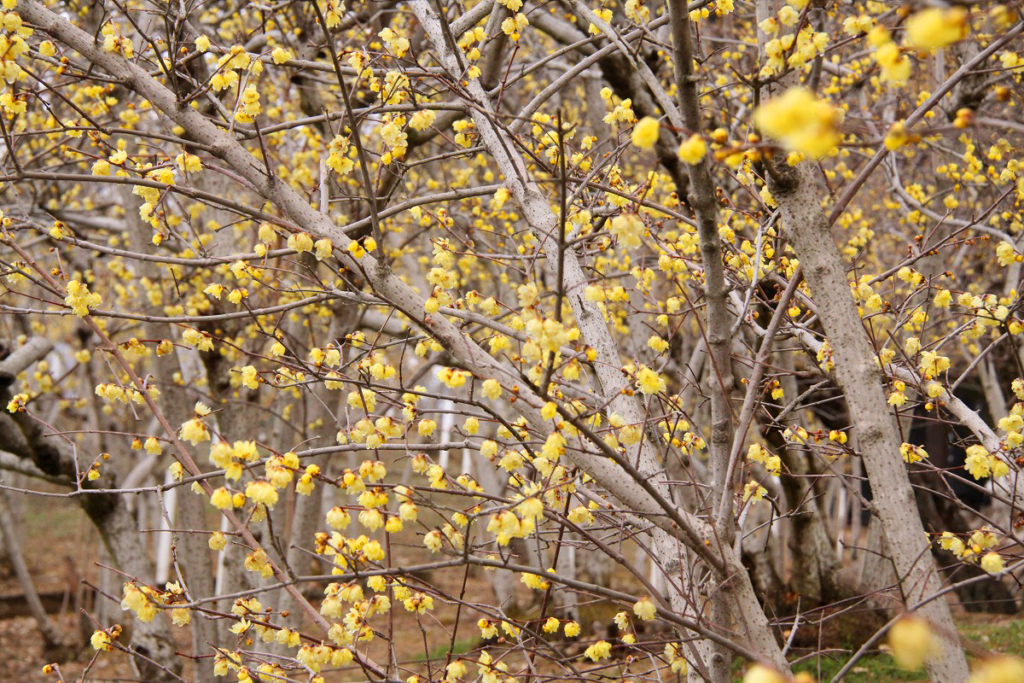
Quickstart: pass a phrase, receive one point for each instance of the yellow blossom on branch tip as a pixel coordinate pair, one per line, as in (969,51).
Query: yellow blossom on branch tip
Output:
(452,378)
(598,651)
(693,149)
(250,378)
(100,641)
(80,299)
(262,492)
(645,609)
(992,563)
(801,122)
(629,229)
(18,403)
(894,66)
(645,132)
(280,55)
(221,499)
(648,381)
(936,27)
(194,431)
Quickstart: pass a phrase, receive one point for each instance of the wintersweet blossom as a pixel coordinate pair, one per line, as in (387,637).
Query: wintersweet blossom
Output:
(693,149)
(80,299)
(801,122)
(645,132)
(911,642)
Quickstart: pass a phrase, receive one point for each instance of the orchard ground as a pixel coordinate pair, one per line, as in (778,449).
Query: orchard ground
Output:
(60,544)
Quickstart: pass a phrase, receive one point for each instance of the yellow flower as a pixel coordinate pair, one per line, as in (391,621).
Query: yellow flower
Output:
(535,582)
(531,508)
(581,516)
(648,381)
(644,609)
(514,26)
(629,229)
(762,674)
(645,132)
(572,629)
(456,669)
(999,670)
(418,603)
(936,27)
(200,340)
(912,453)
(992,563)
(217,541)
(911,642)
(262,492)
(487,629)
(202,43)
(452,378)
(194,431)
(693,149)
(673,653)
(356,249)
(978,461)
(323,248)
(250,378)
(338,518)
(280,55)
(189,162)
(895,66)
(933,364)
(18,403)
(894,139)
(249,105)
(408,512)
(305,485)
(221,499)
(101,641)
(492,389)
(80,299)
(433,541)
(598,651)
(800,122)
(301,242)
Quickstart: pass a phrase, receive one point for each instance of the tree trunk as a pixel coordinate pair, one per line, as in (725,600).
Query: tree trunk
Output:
(857,372)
